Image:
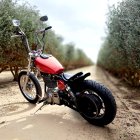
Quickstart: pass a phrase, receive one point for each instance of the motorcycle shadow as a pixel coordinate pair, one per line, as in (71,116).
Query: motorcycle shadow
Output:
(15,108)
(7,84)
(51,126)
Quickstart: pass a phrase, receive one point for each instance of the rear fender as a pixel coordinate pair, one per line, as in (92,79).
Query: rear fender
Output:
(78,77)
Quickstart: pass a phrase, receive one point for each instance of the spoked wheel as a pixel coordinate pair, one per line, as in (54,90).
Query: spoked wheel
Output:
(30,87)
(96,103)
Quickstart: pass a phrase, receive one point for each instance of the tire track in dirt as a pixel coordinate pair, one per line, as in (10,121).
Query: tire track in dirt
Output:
(127,119)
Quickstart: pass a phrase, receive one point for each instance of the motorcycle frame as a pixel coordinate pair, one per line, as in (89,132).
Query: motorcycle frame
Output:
(32,54)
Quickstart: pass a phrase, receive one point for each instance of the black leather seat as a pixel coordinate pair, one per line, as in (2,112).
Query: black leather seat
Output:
(67,76)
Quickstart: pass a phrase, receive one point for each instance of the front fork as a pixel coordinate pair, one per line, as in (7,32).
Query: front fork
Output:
(28,71)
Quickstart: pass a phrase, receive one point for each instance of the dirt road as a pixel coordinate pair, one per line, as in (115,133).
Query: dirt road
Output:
(18,121)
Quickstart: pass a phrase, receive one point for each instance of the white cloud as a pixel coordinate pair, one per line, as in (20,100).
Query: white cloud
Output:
(78,21)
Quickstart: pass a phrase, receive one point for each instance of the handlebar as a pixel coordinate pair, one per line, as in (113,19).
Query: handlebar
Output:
(48,28)
(43,30)
(20,33)
(13,36)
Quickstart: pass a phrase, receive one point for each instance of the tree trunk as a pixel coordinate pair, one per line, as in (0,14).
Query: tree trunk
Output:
(14,70)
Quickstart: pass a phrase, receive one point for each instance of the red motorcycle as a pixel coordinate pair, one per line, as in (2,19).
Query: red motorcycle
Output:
(92,100)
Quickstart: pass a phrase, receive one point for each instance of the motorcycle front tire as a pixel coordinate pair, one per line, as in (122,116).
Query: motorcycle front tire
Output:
(32,83)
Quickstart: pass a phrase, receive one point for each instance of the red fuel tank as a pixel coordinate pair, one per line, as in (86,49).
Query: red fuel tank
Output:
(48,64)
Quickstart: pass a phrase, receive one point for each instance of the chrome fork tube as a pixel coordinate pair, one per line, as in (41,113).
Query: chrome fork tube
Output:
(28,71)
(29,65)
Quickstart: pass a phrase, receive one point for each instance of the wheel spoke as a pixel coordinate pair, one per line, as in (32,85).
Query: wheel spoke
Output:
(30,90)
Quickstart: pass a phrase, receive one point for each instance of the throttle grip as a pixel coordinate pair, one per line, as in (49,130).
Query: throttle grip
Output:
(43,30)
(48,28)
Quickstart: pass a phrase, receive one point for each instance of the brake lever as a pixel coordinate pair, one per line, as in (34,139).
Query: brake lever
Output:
(13,36)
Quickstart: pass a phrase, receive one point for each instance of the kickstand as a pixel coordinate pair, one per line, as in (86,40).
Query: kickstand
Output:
(44,103)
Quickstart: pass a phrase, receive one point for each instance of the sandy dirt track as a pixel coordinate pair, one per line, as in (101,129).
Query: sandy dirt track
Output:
(18,121)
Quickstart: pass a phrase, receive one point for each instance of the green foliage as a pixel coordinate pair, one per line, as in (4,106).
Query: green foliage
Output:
(12,52)
(69,55)
(120,52)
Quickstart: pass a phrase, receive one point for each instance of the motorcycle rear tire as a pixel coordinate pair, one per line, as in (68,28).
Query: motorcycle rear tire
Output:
(101,94)
(38,91)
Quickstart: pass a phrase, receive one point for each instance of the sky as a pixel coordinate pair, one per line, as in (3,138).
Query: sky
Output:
(79,21)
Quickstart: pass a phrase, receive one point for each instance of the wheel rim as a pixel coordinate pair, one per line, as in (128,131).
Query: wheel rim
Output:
(30,90)
(92,108)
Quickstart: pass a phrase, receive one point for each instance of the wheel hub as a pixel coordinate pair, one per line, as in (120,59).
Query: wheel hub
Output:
(90,105)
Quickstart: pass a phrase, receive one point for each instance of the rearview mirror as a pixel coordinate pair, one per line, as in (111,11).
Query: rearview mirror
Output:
(44,18)
(16,22)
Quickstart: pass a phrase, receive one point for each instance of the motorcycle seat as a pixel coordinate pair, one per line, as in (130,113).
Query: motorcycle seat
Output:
(70,77)
(67,76)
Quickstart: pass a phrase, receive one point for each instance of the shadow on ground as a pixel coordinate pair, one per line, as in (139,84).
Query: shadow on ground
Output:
(51,127)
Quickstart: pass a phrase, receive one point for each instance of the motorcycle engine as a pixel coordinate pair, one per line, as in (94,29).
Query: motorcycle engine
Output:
(53,96)
(50,82)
